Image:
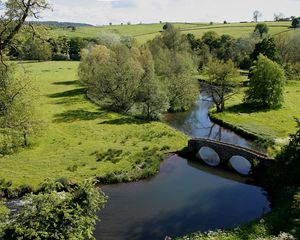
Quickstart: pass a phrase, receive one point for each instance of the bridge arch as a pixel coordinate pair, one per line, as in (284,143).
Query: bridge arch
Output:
(217,153)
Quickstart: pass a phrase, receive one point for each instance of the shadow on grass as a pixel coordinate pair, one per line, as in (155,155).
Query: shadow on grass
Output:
(67,83)
(245,108)
(70,93)
(70,101)
(121,121)
(77,115)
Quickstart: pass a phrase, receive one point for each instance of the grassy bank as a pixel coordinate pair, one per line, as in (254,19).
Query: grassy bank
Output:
(275,125)
(80,141)
(145,32)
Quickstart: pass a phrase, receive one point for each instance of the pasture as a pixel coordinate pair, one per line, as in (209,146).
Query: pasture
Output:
(145,32)
(79,140)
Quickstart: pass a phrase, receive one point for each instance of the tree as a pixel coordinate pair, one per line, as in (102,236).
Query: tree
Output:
(58,214)
(222,82)
(262,29)
(152,100)
(256,14)
(266,47)
(59,48)
(211,39)
(175,67)
(181,86)
(112,75)
(278,17)
(296,22)
(75,46)
(288,46)
(17,117)
(285,171)
(243,48)
(225,50)
(37,49)
(266,85)
(15,13)
(167,26)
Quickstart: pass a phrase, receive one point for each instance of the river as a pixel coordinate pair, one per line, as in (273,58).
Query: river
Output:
(185,196)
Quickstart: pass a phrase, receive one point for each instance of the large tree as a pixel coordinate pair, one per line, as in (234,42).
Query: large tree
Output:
(112,75)
(17,116)
(14,15)
(266,86)
(222,82)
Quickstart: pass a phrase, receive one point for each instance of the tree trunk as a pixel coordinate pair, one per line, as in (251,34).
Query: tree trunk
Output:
(25,139)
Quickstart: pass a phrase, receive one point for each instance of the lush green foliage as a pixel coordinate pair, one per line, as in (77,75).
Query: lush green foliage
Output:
(37,49)
(175,67)
(266,86)
(262,29)
(75,130)
(286,169)
(123,79)
(17,117)
(266,47)
(57,214)
(296,22)
(112,75)
(222,84)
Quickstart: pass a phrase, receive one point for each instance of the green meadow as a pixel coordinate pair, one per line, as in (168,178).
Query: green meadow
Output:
(79,140)
(275,125)
(145,32)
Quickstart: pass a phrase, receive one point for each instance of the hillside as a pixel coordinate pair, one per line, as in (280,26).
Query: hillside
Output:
(145,32)
(62,24)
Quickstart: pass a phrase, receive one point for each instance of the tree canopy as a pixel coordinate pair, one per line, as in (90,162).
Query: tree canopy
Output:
(15,13)
(222,84)
(266,85)
(262,29)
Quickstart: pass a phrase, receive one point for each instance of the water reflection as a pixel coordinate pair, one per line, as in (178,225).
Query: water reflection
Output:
(186,196)
(181,199)
(196,123)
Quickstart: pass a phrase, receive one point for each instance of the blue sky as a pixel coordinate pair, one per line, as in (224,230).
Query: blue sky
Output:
(99,12)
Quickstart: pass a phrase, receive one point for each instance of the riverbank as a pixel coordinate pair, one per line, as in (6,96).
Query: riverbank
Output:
(273,126)
(79,140)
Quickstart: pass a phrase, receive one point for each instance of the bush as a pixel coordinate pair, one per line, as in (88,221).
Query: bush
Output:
(60,57)
(57,215)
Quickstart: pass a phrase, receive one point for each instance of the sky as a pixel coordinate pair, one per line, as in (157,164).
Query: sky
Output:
(102,12)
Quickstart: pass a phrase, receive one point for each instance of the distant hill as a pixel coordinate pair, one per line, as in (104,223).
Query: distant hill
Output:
(145,32)
(62,24)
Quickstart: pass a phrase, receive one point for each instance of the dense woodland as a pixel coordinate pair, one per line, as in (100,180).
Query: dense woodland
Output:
(143,81)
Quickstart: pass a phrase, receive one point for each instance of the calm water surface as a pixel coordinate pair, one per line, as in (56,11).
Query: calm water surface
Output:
(186,196)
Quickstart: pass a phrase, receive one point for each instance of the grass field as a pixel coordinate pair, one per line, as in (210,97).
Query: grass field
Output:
(274,124)
(145,32)
(80,140)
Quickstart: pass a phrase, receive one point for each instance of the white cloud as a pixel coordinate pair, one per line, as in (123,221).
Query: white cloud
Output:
(117,11)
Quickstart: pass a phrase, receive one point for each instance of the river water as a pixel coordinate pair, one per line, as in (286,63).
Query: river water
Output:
(185,196)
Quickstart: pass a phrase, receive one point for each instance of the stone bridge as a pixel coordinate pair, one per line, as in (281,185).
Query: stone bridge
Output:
(217,153)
